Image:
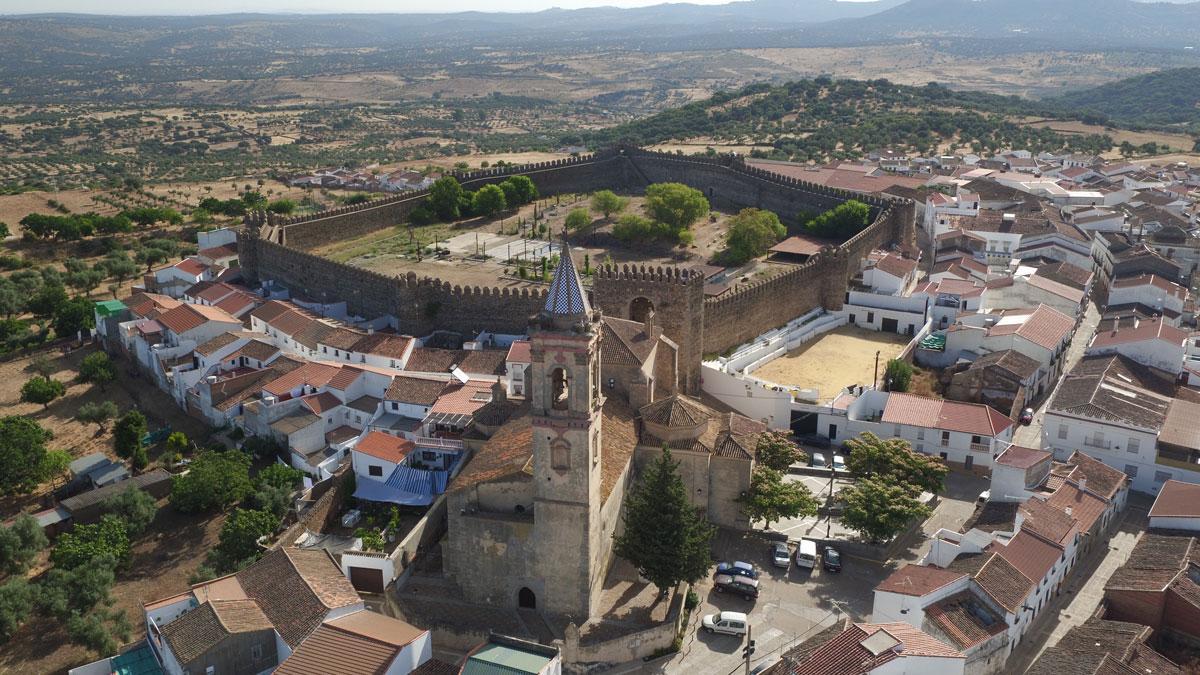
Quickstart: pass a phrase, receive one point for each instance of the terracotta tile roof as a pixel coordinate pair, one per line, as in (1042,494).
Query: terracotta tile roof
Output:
(1151,329)
(197,288)
(271,310)
(1176,499)
(237,302)
(1047,327)
(1102,479)
(800,245)
(972,418)
(341,338)
(1093,647)
(1151,280)
(257,350)
(519,352)
(415,390)
(197,631)
(331,650)
(292,322)
(618,441)
(674,411)
(1066,273)
(1009,360)
(216,253)
(507,453)
(383,344)
(960,617)
(377,627)
(214,345)
(853,652)
(1053,287)
(1179,427)
(344,378)
(626,342)
(230,391)
(918,580)
(150,305)
(1003,582)
(186,317)
(1047,521)
(1155,561)
(436,666)
(385,446)
(479,362)
(213,293)
(314,333)
(191,266)
(319,403)
(311,373)
(895,265)
(296,588)
(1020,457)
(462,399)
(1085,507)
(1030,554)
(1113,389)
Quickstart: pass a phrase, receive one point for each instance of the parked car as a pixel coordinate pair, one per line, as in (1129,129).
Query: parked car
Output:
(815,440)
(780,555)
(806,553)
(839,462)
(737,569)
(729,623)
(743,586)
(818,460)
(831,560)
(984,496)
(1026,417)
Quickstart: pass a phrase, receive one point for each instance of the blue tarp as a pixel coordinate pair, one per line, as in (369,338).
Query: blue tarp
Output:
(374,491)
(407,486)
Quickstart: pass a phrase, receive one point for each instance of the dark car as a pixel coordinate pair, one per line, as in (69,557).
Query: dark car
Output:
(737,569)
(743,586)
(1026,417)
(831,560)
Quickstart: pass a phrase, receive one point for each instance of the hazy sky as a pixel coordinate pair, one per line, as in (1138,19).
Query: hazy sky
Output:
(227,6)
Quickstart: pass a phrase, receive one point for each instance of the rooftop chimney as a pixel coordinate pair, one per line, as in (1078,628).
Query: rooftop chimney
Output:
(1082,484)
(650,323)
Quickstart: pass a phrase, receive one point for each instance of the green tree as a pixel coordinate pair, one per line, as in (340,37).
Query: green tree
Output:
(76,590)
(776,451)
(102,631)
(128,433)
(97,368)
(751,233)
(16,601)
(216,480)
(519,190)
(74,316)
(47,300)
(842,222)
(879,509)
(284,206)
(280,476)
(239,537)
(85,281)
(445,197)
(770,498)
(42,390)
(119,266)
(665,537)
(608,203)
(488,201)
(151,256)
(22,454)
(898,375)
(20,543)
(134,507)
(5,233)
(675,204)
(80,546)
(98,413)
(43,366)
(577,219)
(178,443)
(894,461)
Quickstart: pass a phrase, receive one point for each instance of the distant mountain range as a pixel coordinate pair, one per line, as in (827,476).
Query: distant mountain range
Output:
(1166,97)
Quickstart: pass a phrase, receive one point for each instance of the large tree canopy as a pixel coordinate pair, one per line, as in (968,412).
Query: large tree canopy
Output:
(894,461)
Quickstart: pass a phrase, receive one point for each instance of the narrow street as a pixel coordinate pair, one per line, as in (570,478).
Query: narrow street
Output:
(1084,589)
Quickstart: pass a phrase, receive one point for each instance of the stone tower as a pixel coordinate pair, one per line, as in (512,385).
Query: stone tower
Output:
(566,416)
(676,297)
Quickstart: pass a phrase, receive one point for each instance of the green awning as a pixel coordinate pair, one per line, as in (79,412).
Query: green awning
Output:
(109,307)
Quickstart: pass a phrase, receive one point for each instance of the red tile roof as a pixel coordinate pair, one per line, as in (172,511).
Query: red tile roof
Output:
(1152,329)
(918,580)
(1176,499)
(1047,327)
(322,402)
(849,654)
(1004,583)
(344,378)
(385,446)
(191,266)
(958,617)
(1030,554)
(519,352)
(1020,457)
(1085,507)
(800,245)
(932,413)
(1151,280)
(312,373)
(896,266)
(186,317)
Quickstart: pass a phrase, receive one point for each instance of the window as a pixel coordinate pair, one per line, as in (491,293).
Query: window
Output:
(1131,470)
(896,430)
(560,455)
(428,455)
(324,350)
(977,439)
(920,447)
(1162,476)
(1134,445)
(945,438)
(1062,432)
(558,389)
(870,317)
(375,470)
(920,434)
(256,652)
(392,362)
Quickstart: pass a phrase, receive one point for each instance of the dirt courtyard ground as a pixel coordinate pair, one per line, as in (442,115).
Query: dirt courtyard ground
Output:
(838,359)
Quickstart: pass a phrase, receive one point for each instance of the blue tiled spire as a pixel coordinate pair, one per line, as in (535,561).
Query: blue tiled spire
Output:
(567,297)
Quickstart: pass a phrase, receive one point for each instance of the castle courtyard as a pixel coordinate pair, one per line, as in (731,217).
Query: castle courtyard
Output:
(835,360)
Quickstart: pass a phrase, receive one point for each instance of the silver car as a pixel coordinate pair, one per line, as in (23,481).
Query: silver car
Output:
(780,555)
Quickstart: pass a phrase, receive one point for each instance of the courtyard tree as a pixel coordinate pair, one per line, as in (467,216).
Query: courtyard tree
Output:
(676,205)
(215,481)
(42,390)
(97,368)
(98,413)
(22,454)
(83,544)
(879,509)
(894,461)
(665,537)
(128,433)
(238,542)
(771,498)
(577,219)
(20,543)
(776,451)
(445,197)
(898,375)
(178,443)
(488,201)
(751,233)
(841,222)
(608,202)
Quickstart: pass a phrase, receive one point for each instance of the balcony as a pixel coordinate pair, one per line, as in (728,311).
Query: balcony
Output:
(1180,458)
(1098,444)
(980,447)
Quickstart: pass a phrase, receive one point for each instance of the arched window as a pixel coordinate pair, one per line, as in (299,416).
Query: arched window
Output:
(640,308)
(526,599)
(558,389)
(560,455)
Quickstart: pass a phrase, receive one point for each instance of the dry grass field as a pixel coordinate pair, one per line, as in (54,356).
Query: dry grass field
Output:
(835,360)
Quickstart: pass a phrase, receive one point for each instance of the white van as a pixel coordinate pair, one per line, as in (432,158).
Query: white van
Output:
(806,553)
(729,623)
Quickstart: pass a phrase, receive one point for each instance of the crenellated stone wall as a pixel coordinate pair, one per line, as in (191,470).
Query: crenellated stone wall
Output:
(274,248)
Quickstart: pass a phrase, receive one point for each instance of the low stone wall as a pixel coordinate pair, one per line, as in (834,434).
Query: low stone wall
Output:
(580,656)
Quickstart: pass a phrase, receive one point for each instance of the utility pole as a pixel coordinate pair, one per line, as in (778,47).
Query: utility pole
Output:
(829,502)
(875,382)
(748,650)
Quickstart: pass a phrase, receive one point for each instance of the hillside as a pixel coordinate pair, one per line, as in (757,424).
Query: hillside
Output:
(1166,97)
(822,119)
